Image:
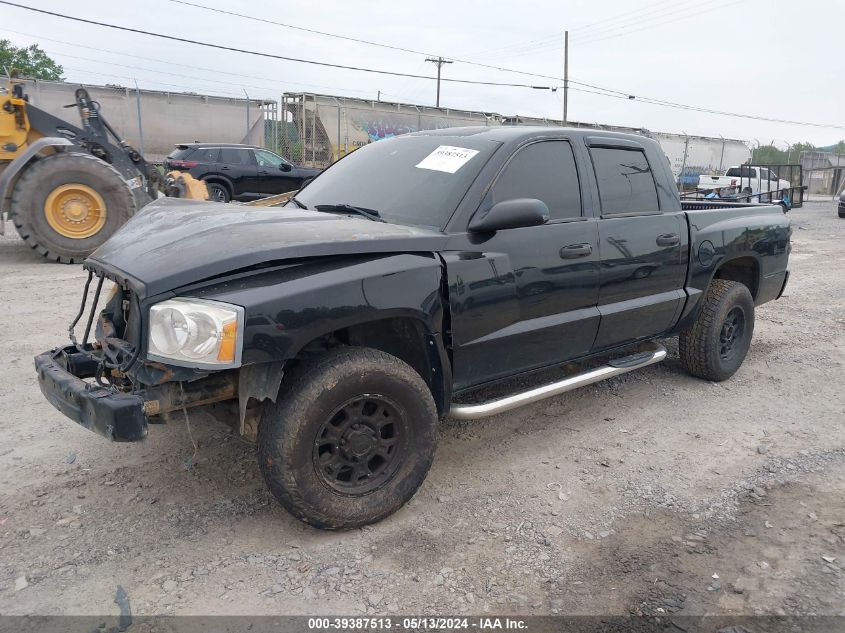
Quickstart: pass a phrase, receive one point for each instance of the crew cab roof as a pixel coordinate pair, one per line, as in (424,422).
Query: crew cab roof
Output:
(510,134)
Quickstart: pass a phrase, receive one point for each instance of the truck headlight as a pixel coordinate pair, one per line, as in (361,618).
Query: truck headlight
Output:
(196,333)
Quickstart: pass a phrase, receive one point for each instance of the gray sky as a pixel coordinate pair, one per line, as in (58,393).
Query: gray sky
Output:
(720,54)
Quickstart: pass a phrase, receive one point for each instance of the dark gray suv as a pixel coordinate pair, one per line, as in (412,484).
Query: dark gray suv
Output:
(238,172)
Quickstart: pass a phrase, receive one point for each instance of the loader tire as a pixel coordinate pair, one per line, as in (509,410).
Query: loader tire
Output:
(66,205)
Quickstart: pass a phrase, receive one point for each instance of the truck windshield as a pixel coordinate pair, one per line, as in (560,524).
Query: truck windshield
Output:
(414,180)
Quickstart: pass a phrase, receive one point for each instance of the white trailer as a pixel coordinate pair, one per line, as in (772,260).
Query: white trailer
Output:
(693,156)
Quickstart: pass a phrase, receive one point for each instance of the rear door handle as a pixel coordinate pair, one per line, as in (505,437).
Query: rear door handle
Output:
(224,168)
(668,239)
(574,251)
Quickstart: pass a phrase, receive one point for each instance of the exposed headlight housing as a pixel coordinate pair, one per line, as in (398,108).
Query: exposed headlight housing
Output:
(196,333)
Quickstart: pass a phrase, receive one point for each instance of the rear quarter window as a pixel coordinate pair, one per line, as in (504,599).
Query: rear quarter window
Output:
(181,153)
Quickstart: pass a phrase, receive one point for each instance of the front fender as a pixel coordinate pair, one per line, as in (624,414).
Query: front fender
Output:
(288,307)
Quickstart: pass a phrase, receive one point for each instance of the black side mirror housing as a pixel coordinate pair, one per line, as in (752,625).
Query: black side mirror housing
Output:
(510,214)
(285,167)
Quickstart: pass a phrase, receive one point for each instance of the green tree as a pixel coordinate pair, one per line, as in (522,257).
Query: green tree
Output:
(31,62)
(768,155)
(799,148)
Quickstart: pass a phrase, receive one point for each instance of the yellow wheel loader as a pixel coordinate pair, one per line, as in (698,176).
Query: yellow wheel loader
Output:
(67,189)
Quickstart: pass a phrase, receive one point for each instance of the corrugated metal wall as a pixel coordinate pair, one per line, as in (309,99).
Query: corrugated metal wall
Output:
(167,118)
(318,129)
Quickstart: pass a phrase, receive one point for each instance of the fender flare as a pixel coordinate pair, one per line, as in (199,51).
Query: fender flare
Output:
(9,176)
(689,312)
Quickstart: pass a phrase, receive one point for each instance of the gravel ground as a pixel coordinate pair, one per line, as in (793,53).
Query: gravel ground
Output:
(650,493)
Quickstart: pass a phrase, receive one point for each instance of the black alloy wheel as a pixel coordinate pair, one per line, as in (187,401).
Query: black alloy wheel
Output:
(732,333)
(357,447)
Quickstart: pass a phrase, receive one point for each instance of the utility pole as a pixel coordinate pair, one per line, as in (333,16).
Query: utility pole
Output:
(246,138)
(565,74)
(439,61)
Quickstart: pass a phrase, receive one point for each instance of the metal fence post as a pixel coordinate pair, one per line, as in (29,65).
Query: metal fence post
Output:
(336,152)
(140,124)
(246,137)
(684,164)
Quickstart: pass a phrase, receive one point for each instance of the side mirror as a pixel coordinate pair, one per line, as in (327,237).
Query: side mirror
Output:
(285,167)
(510,214)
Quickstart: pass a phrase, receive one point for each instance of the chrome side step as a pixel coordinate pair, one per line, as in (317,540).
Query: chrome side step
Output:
(654,354)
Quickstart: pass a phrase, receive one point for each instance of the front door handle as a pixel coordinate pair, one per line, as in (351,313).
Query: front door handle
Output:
(574,251)
(668,239)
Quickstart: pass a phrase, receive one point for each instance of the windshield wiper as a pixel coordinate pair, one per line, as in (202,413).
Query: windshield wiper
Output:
(298,203)
(370,214)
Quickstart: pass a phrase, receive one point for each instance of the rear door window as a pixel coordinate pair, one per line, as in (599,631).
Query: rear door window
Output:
(236,156)
(741,172)
(625,181)
(546,171)
(205,155)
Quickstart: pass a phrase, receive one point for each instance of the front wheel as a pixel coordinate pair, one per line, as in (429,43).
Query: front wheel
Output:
(716,344)
(350,438)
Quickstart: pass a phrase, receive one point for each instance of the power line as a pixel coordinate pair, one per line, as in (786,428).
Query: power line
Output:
(637,11)
(556,41)
(600,37)
(269,55)
(655,13)
(358,40)
(217,71)
(612,92)
(645,20)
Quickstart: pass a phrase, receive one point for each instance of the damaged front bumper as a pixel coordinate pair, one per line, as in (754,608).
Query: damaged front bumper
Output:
(118,416)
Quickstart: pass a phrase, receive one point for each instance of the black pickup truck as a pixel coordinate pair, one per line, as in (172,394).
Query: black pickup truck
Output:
(337,330)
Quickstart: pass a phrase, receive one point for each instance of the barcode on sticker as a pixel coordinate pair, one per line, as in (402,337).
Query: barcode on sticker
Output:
(447,158)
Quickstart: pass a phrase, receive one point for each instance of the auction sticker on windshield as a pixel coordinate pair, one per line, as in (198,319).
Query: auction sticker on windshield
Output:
(447,158)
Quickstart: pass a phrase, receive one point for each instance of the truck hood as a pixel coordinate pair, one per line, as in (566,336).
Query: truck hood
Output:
(172,243)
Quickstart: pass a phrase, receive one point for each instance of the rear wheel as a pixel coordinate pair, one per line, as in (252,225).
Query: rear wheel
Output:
(716,344)
(66,205)
(349,440)
(218,192)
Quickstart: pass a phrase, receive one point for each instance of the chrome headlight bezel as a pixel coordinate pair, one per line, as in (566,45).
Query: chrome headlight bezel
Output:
(202,306)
